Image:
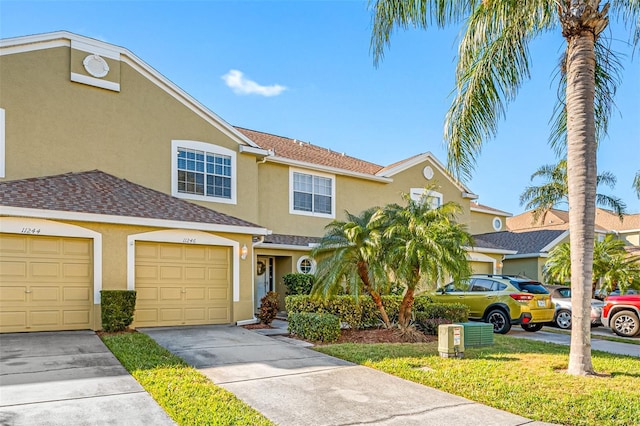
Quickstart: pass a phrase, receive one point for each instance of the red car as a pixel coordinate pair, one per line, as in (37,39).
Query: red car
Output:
(622,314)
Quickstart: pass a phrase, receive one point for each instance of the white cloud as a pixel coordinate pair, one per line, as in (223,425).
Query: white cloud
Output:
(243,86)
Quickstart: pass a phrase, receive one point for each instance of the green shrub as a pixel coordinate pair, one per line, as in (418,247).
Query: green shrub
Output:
(431,316)
(357,314)
(315,327)
(298,283)
(117,309)
(268,308)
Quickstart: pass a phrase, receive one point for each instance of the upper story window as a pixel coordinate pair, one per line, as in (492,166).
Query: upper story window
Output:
(202,171)
(312,194)
(421,194)
(497,223)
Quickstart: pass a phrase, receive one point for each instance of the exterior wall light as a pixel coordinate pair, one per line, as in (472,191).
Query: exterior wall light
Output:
(243,252)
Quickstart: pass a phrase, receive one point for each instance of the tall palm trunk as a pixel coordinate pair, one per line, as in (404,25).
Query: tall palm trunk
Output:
(364,276)
(581,171)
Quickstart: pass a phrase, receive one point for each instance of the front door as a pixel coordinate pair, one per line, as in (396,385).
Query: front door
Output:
(264,278)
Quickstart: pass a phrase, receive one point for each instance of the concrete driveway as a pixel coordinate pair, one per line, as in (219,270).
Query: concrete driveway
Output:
(69,378)
(293,385)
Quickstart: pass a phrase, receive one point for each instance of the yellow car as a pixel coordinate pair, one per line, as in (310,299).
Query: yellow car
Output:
(501,300)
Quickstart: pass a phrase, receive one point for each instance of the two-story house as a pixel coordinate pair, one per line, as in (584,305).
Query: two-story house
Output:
(112,177)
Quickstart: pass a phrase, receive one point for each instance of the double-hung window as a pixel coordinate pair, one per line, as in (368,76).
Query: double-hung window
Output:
(312,194)
(434,198)
(203,171)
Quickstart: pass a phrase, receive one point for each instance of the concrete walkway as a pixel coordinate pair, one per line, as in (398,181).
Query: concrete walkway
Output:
(69,378)
(293,385)
(618,348)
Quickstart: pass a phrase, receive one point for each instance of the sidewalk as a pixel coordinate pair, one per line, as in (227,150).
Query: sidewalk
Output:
(618,348)
(293,385)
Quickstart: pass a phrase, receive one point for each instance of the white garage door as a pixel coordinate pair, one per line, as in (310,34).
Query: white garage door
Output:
(46,283)
(182,284)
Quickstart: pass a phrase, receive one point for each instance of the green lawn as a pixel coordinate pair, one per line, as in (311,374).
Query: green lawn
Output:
(185,394)
(517,375)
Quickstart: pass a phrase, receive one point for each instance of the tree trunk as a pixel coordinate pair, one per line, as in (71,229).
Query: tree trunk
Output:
(581,176)
(363,272)
(406,306)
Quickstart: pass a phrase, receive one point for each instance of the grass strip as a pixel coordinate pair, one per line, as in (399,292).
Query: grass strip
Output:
(187,396)
(524,377)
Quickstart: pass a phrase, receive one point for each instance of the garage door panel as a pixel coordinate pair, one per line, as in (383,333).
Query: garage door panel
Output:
(76,294)
(195,314)
(218,293)
(218,314)
(76,270)
(13,244)
(76,317)
(13,320)
(79,248)
(187,276)
(47,283)
(13,269)
(10,293)
(172,272)
(45,294)
(171,252)
(195,273)
(44,270)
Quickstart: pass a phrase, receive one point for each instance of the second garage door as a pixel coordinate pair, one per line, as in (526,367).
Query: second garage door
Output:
(481,267)
(182,284)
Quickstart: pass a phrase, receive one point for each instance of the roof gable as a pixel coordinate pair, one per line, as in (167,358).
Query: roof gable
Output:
(67,39)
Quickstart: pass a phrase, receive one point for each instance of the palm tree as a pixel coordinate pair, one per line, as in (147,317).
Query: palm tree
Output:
(636,183)
(350,253)
(611,264)
(424,243)
(493,62)
(542,198)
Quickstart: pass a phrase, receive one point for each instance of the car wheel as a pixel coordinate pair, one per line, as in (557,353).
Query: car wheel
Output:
(532,327)
(500,321)
(625,323)
(563,319)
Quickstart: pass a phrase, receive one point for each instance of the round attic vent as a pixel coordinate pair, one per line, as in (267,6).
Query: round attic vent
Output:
(427,172)
(96,66)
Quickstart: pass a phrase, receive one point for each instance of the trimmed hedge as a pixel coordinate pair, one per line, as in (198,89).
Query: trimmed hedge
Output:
(298,283)
(117,308)
(363,313)
(315,327)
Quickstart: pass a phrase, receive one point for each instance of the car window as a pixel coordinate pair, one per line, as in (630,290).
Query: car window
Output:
(456,287)
(532,287)
(482,284)
(564,292)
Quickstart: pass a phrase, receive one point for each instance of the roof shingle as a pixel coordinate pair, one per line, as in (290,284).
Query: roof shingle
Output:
(97,192)
(530,242)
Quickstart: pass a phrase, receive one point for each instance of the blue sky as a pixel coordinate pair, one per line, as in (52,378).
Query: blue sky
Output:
(303,69)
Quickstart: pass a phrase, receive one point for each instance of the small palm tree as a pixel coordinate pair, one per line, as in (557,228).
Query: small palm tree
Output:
(611,264)
(555,190)
(350,253)
(636,183)
(424,243)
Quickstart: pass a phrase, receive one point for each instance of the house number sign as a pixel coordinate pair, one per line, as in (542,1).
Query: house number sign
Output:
(189,240)
(30,231)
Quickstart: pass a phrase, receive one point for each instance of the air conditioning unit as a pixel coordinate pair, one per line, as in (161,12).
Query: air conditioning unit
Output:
(477,334)
(451,340)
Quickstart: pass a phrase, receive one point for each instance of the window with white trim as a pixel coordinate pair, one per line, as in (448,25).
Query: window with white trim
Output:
(312,194)
(203,171)
(422,195)
(497,223)
(306,265)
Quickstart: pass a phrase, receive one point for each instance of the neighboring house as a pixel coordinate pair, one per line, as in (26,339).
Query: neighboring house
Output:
(532,240)
(112,177)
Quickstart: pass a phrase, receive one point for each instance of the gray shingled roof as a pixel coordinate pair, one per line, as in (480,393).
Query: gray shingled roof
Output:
(291,240)
(101,193)
(523,242)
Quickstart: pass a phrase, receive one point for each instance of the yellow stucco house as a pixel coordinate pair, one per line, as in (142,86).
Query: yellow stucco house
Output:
(112,177)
